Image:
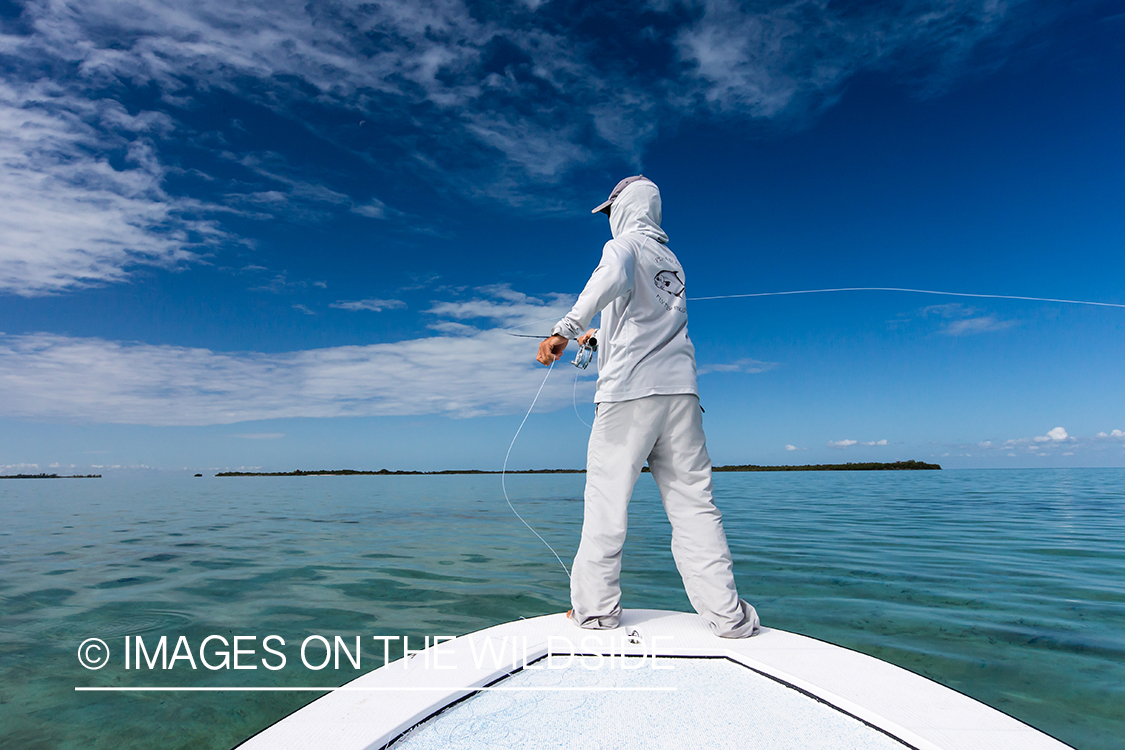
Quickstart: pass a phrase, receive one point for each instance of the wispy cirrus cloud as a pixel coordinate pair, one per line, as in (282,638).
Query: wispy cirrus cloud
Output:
(374,209)
(1056,441)
(849,442)
(786,56)
(502,305)
(81,194)
(983,324)
(20,468)
(964,320)
(96,380)
(751,366)
(373,305)
(496,104)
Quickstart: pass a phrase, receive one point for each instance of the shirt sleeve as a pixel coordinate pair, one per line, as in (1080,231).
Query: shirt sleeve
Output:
(612,278)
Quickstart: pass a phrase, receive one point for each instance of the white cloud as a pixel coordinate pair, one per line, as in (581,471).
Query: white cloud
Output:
(46,376)
(497,105)
(514,309)
(279,284)
(374,305)
(965,320)
(758,59)
(373,210)
(1050,442)
(794,448)
(948,310)
(68,217)
(452,328)
(432,69)
(752,366)
(767,60)
(1056,435)
(848,442)
(304,309)
(983,324)
(19,468)
(503,292)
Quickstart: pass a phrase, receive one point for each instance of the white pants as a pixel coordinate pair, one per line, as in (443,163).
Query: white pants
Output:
(668,432)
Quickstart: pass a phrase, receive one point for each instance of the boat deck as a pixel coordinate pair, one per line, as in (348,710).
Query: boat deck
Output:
(660,680)
(713,703)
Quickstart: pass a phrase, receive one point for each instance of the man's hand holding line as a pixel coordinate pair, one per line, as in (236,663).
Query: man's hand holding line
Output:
(550,349)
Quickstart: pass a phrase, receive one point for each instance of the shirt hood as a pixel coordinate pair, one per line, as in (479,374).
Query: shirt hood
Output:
(637,209)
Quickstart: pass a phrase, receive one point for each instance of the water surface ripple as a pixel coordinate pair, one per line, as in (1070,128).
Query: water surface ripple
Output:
(1008,585)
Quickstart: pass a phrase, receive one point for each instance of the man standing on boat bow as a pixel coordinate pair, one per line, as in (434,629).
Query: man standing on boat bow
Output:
(647,409)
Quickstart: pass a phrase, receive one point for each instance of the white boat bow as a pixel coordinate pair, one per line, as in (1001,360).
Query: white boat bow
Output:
(659,680)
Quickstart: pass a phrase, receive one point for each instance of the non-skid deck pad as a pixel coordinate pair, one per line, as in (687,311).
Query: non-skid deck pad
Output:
(716,704)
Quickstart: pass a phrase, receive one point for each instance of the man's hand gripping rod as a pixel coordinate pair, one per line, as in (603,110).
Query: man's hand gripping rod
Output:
(549,353)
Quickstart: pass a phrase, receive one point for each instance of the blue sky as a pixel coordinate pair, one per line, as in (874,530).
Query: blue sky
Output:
(285,236)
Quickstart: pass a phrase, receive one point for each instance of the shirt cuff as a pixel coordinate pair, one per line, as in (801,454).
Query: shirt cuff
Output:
(565,329)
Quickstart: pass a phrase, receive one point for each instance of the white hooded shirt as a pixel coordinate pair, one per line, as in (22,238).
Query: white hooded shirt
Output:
(639,288)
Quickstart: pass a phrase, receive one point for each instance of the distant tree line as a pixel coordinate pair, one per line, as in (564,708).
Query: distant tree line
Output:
(50,476)
(870,466)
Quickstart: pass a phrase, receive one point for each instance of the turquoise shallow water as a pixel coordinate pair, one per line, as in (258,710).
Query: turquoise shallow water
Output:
(1007,585)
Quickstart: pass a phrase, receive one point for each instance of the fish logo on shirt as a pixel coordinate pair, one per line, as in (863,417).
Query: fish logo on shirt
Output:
(670,281)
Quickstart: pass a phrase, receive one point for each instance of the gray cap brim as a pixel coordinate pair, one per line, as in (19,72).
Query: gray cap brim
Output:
(604,208)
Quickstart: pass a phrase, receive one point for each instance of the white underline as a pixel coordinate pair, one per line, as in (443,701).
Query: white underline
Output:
(367,689)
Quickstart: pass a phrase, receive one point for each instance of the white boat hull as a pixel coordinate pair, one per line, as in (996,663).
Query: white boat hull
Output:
(519,665)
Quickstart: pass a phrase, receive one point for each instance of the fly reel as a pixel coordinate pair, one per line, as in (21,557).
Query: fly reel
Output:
(585,353)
